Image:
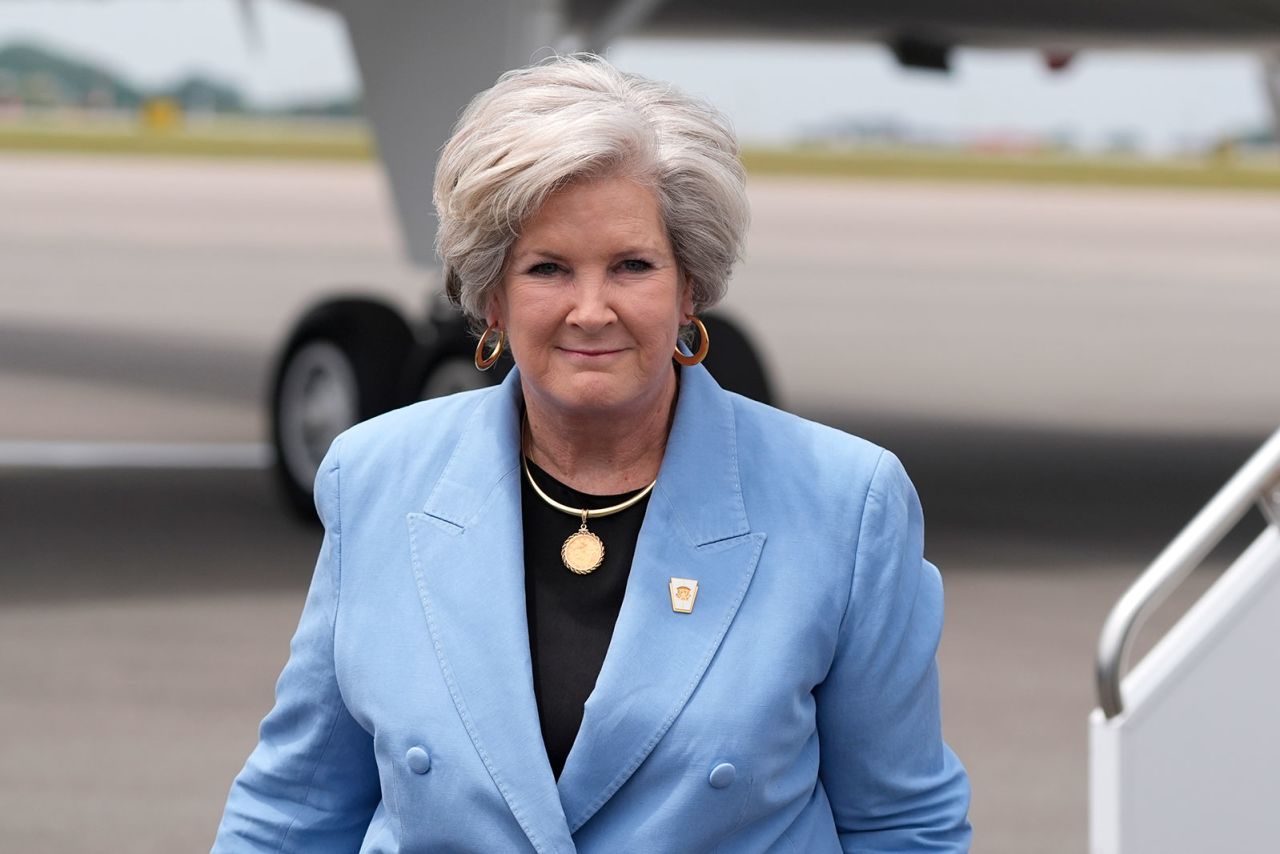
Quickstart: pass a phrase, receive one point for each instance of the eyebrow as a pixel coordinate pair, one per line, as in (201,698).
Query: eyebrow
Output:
(541,253)
(555,256)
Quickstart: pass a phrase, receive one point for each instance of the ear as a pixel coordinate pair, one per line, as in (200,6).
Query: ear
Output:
(686,299)
(494,311)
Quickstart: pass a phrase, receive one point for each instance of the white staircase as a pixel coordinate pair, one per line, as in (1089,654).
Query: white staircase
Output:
(1184,751)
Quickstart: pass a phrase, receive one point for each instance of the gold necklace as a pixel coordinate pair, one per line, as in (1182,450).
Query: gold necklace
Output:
(583,551)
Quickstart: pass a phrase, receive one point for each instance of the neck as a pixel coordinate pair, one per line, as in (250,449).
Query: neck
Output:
(607,453)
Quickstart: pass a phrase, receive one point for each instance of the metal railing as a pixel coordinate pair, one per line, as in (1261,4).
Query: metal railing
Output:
(1257,482)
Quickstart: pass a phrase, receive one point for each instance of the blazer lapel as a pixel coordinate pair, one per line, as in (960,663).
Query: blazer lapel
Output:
(695,527)
(468,557)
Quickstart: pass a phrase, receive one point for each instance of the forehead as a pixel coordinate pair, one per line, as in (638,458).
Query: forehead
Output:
(597,212)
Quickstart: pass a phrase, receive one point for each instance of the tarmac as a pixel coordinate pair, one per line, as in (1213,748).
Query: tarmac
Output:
(145,612)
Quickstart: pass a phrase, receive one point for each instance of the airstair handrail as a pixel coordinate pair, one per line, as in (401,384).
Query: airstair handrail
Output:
(1258,481)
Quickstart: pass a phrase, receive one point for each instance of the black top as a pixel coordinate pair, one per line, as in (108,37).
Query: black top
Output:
(571,616)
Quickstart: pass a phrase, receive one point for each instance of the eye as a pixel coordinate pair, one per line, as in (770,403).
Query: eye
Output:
(546,268)
(636,265)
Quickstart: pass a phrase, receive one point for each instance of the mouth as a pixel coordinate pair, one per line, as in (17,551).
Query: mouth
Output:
(590,352)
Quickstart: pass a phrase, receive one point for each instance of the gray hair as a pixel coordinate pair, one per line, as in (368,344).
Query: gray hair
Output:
(575,118)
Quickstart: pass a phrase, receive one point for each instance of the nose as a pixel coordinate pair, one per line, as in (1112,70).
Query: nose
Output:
(591,309)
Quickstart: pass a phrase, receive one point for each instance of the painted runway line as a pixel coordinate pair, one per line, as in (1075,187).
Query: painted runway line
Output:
(135,455)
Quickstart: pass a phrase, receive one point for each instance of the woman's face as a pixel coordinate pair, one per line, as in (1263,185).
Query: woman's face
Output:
(592,299)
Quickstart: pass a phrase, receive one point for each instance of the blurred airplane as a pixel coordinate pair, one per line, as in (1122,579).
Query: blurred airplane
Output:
(349,359)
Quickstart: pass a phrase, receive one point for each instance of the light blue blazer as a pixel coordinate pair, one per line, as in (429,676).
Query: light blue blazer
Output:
(795,710)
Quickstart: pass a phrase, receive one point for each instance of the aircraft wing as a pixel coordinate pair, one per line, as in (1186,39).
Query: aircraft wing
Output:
(1034,22)
(1060,24)
(420,62)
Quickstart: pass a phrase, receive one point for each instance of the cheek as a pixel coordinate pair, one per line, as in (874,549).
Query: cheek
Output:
(660,342)
(669,325)
(531,320)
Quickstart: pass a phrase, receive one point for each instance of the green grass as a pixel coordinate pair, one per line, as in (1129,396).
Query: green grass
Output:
(283,140)
(1206,172)
(244,140)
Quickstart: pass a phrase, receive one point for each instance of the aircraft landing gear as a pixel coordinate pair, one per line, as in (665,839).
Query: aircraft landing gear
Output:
(342,364)
(1271,83)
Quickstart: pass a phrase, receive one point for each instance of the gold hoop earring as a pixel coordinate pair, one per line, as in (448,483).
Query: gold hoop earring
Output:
(690,361)
(484,362)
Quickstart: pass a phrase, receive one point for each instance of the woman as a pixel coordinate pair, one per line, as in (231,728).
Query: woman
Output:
(756,579)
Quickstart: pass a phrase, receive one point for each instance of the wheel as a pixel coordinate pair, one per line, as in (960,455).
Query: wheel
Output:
(342,365)
(734,362)
(319,397)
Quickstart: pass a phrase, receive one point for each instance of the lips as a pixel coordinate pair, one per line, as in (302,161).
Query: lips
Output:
(590,352)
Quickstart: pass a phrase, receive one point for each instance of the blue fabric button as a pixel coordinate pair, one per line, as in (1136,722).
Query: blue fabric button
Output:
(723,775)
(419,760)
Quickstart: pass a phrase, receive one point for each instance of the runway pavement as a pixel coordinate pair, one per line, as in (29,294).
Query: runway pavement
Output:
(169,283)
(1067,374)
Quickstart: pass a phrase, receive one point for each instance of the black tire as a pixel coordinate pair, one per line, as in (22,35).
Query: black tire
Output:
(734,362)
(343,363)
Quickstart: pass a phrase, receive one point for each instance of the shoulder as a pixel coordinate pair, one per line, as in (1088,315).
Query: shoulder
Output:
(840,501)
(419,428)
(796,448)
(390,460)
(839,482)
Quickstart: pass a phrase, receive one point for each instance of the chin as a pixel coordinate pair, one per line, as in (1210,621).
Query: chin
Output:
(599,398)
(601,394)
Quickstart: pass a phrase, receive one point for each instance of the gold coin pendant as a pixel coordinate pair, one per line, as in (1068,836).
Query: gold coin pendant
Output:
(582,552)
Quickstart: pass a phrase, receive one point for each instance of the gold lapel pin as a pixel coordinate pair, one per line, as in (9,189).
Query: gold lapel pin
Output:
(684,592)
